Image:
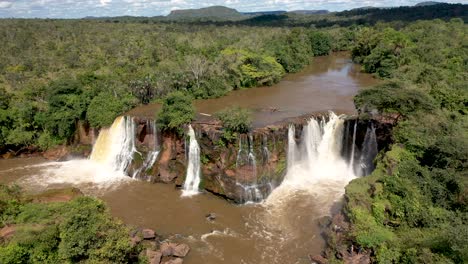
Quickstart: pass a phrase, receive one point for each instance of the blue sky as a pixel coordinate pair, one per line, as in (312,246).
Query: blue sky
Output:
(82,8)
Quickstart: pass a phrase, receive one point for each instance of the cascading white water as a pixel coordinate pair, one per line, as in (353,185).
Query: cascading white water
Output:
(316,167)
(353,149)
(369,151)
(265,151)
(153,153)
(192,179)
(292,147)
(111,156)
(246,167)
(115,146)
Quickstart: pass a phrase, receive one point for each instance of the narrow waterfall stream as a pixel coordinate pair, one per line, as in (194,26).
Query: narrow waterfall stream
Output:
(192,179)
(152,154)
(369,151)
(353,149)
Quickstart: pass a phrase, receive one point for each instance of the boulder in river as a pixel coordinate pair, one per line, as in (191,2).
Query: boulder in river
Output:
(166,248)
(173,249)
(210,216)
(154,257)
(180,250)
(148,233)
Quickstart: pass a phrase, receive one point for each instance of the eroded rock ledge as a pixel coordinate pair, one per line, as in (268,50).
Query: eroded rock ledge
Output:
(239,167)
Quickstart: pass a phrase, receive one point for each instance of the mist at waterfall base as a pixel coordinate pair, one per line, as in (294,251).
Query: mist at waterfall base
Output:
(106,168)
(316,168)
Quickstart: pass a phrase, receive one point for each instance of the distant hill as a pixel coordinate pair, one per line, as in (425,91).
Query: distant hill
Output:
(261,13)
(310,12)
(428,3)
(219,12)
(365,8)
(409,13)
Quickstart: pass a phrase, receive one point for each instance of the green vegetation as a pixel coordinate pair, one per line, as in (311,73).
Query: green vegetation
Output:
(81,230)
(177,110)
(54,73)
(235,119)
(414,206)
(412,209)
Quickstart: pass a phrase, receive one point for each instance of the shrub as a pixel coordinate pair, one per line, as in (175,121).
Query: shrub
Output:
(81,230)
(105,107)
(177,110)
(321,43)
(235,119)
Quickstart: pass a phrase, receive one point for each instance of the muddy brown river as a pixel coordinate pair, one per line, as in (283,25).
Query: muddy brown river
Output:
(281,231)
(328,83)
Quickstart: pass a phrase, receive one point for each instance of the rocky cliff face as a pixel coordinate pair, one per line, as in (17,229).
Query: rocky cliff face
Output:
(240,167)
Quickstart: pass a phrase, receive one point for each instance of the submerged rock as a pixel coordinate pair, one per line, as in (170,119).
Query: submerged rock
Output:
(210,216)
(174,261)
(57,195)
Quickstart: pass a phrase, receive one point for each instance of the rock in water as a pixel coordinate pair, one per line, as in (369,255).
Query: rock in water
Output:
(154,257)
(173,249)
(148,234)
(210,216)
(181,250)
(166,249)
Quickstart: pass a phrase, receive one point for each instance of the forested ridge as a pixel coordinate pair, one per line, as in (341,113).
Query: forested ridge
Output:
(411,209)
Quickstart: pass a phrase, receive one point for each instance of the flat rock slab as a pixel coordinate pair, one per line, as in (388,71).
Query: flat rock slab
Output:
(173,249)
(154,257)
(148,233)
(181,250)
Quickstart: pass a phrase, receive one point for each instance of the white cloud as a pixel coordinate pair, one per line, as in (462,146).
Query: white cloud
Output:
(82,8)
(105,2)
(4,4)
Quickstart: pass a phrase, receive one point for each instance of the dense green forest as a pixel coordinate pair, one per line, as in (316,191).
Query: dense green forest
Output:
(56,72)
(414,206)
(412,209)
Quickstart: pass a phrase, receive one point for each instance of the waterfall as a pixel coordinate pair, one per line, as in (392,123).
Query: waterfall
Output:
(291,145)
(192,179)
(246,168)
(252,158)
(316,166)
(115,146)
(369,151)
(265,151)
(353,146)
(152,154)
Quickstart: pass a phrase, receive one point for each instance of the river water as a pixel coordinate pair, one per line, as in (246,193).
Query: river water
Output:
(328,83)
(282,230)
